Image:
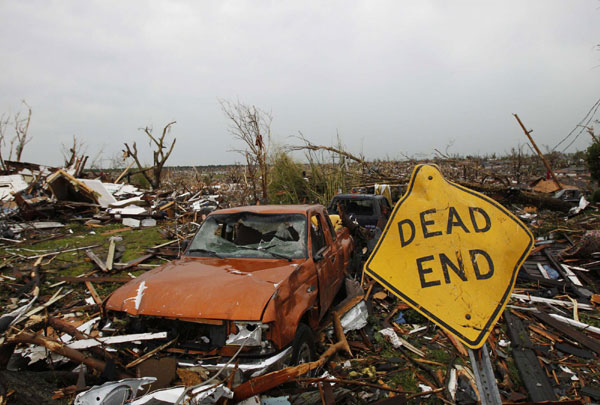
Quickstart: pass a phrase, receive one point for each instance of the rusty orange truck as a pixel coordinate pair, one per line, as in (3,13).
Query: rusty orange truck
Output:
(253,283)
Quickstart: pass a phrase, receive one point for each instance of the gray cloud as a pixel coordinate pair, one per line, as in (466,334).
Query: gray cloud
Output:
(392,77)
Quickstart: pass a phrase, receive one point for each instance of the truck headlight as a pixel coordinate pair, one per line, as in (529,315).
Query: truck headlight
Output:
(248,334)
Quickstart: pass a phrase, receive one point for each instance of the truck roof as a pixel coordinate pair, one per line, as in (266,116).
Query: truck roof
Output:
(358,196)
(272,209)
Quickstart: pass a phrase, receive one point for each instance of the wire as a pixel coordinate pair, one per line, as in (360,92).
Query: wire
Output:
(581,125)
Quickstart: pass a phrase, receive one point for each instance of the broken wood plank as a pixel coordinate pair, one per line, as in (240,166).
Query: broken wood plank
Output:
(57,252)
(567,330)
(576,351)
(110,256)
(352,382)
(105,279)
(535,380)
(93,292)
(575,323)
(133,263)
(550,336)
(51,301)
(566,304)
(96,260)
(113,231)
(457,344)
(150,354)
(124,172)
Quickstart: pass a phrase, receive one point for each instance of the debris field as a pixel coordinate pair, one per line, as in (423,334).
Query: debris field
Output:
(69,239)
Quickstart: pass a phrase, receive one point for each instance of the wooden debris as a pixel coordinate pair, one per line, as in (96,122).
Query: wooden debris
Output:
(93,292)
(101,265)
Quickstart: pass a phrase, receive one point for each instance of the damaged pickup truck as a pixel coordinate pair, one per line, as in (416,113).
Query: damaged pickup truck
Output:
(254,283)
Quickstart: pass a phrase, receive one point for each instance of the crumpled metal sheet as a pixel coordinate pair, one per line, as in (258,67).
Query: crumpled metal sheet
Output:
(256,366)
(197,396)
(113,392)
(356,317)
(246,336)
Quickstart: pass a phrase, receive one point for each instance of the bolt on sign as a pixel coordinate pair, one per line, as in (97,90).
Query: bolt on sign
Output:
(452,254)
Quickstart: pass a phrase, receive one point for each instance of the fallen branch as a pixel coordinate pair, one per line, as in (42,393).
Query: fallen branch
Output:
(63,350)
(351,382)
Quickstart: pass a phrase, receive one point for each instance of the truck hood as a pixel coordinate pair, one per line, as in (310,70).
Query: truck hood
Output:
(204,288)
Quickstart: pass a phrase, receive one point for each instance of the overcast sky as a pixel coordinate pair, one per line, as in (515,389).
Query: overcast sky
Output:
(394,78)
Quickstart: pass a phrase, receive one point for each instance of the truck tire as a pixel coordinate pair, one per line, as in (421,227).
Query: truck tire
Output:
(303,345)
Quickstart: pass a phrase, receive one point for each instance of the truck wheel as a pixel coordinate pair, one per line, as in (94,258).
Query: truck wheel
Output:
(303,346)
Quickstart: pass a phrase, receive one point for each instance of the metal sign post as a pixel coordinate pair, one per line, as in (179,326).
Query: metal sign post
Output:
(484,376)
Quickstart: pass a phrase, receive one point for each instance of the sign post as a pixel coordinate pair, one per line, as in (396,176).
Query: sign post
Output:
(452,254)
(484,376)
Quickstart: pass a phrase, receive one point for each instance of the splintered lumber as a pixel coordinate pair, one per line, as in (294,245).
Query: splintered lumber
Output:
(110,255)
(96,260)
(45,305)
(353,382)
(59,252)
(93,292)
(63,326)
(457,344)
(268,381)
(124,172)
(113,231)
(535,380)
(566,304)
(567,330)
(72,279)
(150,354)
(133,263)
(575,323)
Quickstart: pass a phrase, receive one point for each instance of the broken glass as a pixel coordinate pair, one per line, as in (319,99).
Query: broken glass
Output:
(250,235)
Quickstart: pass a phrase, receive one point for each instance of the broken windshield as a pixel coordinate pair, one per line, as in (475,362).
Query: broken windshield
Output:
(251,235)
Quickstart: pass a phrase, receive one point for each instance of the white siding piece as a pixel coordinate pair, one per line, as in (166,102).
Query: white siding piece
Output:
(87,343)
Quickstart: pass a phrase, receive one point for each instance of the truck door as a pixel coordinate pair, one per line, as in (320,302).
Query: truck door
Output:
(326,262)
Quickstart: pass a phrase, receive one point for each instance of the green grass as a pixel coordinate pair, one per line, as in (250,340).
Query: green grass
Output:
(592,321)
(405,380)
(135,241)
(439,355)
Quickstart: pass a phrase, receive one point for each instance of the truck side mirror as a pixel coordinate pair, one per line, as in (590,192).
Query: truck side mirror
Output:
(318,256)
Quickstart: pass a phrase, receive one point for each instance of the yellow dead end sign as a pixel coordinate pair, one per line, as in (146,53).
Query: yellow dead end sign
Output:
(452,254)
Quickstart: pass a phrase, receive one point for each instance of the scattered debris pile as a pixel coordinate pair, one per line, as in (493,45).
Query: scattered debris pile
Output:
(68,241)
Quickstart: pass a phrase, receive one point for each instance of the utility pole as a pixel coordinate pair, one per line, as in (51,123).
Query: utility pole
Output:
(539,152)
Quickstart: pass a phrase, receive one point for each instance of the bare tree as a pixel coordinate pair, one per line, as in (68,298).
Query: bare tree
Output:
(160,154)
(75,156)
(18,142)
(252,126)
(4,122)
(21,130)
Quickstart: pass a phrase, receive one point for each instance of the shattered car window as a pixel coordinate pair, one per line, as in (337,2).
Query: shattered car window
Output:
(353,206)
(249,235)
